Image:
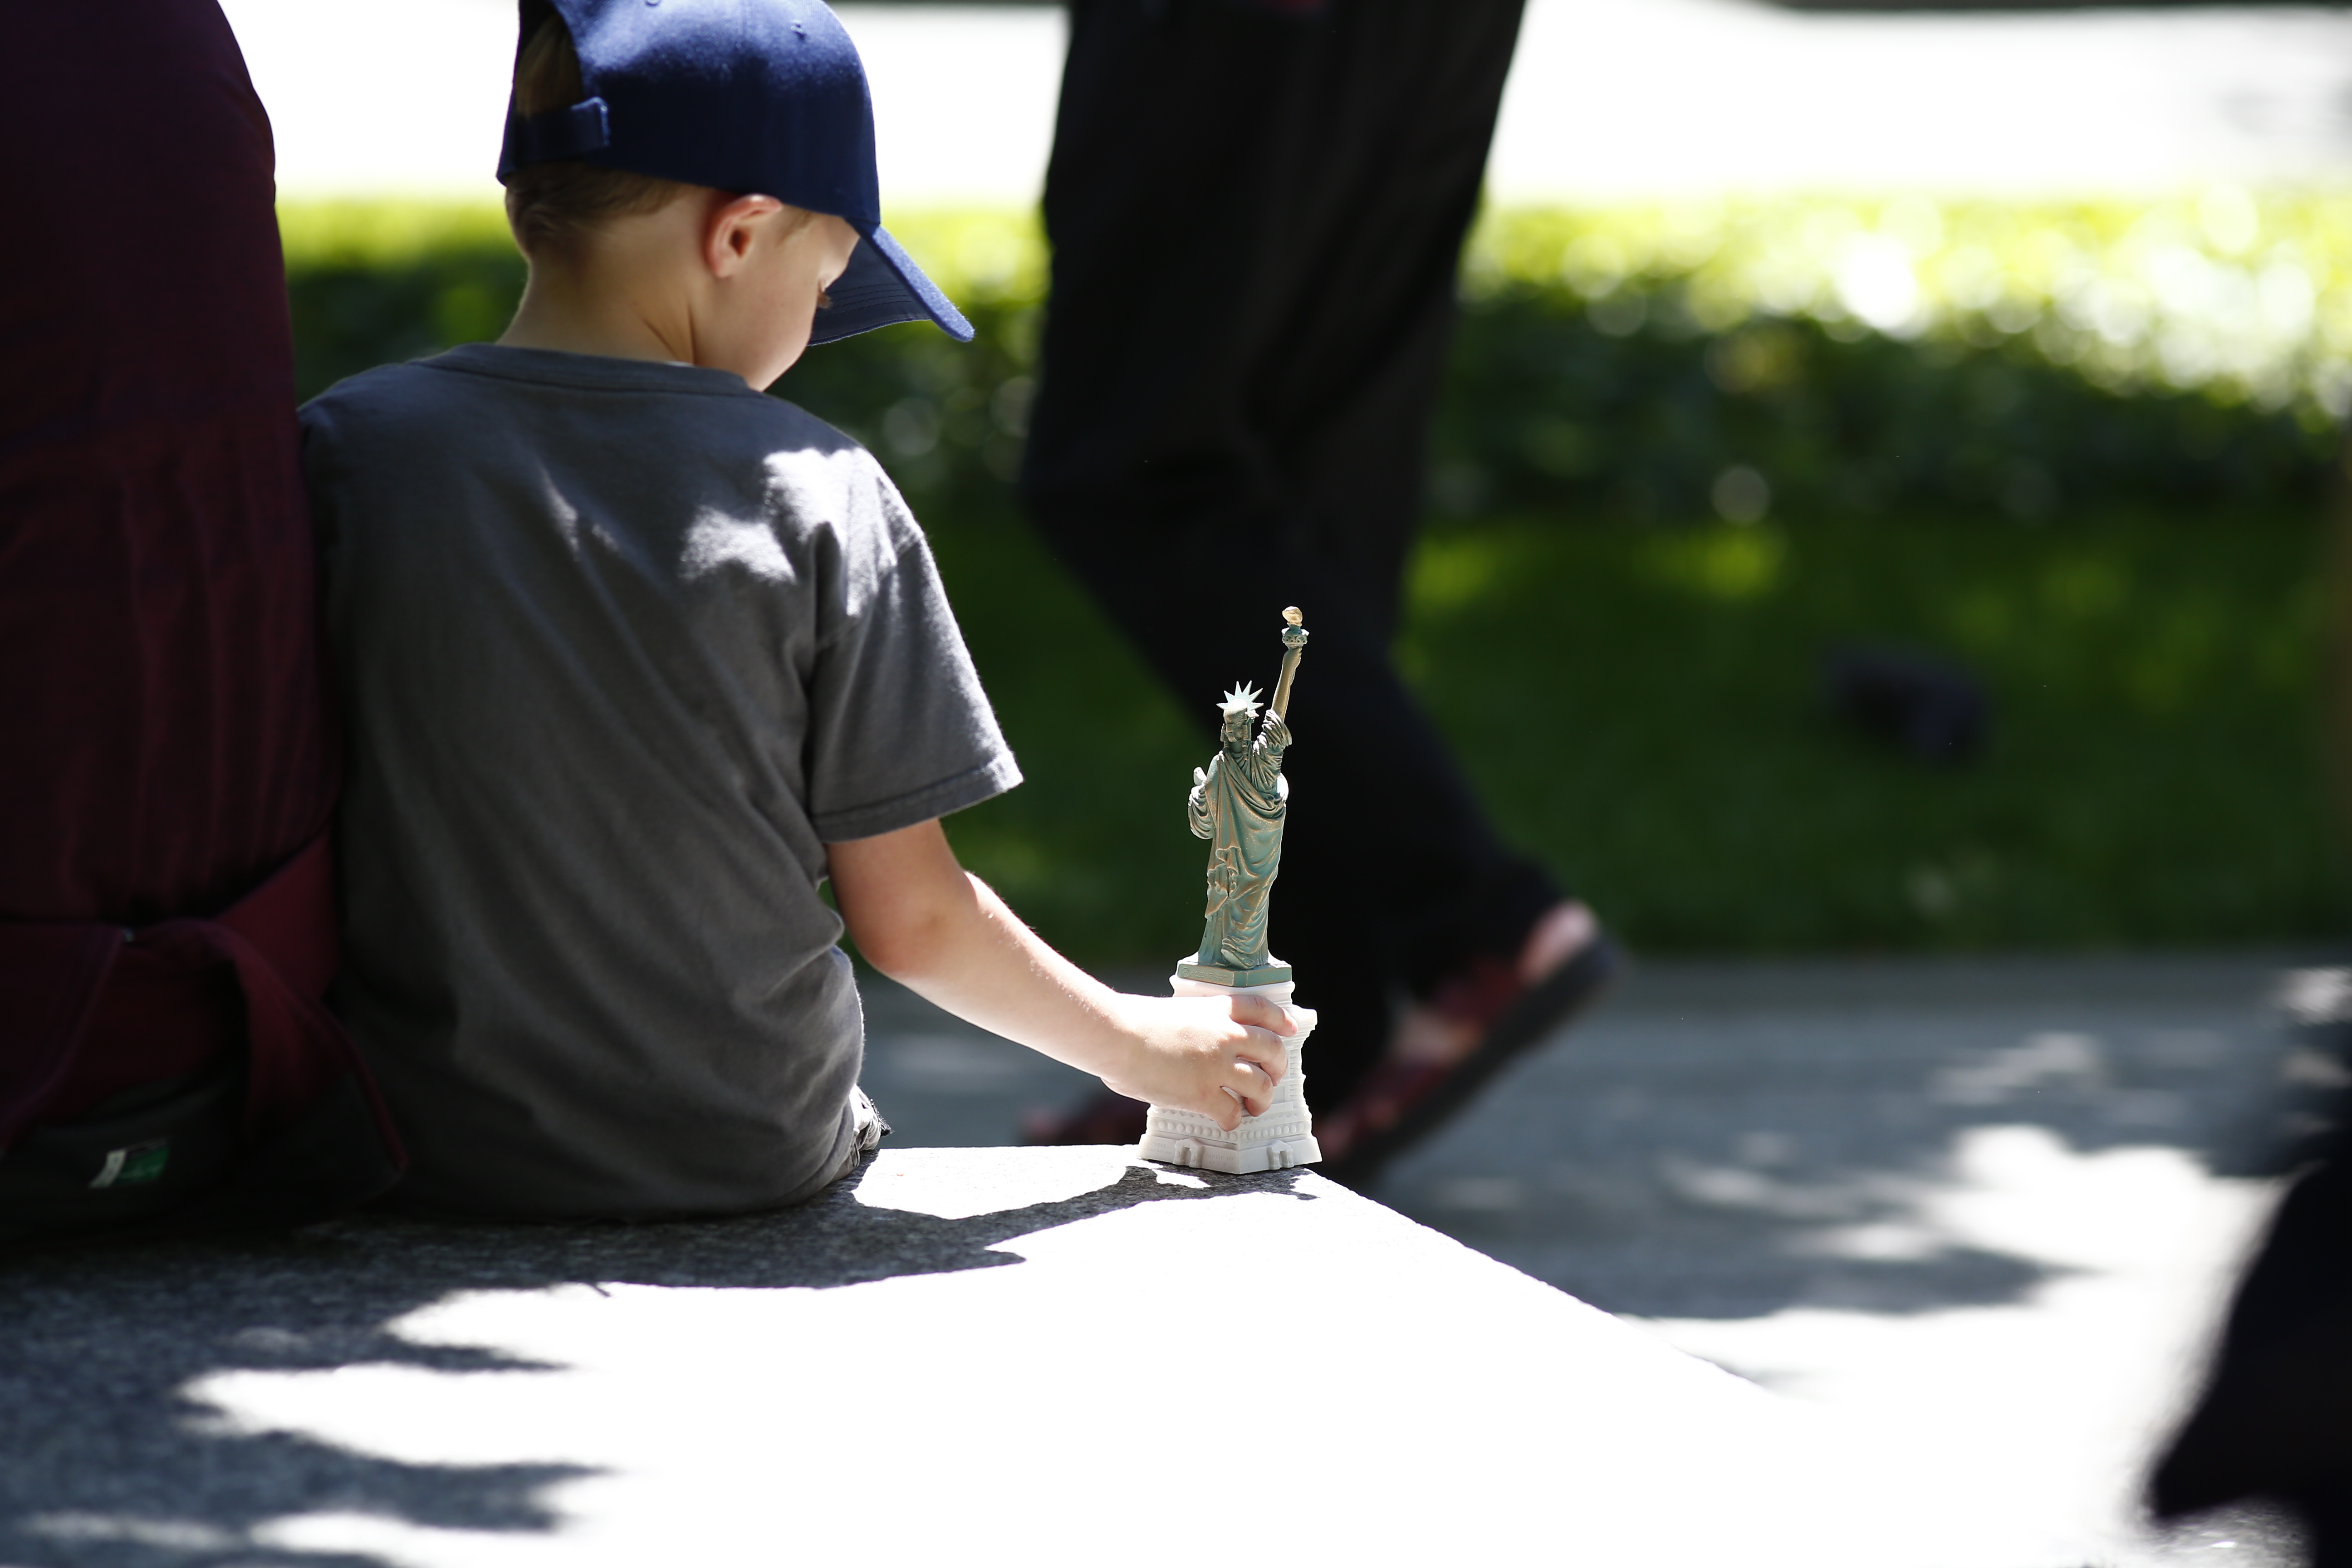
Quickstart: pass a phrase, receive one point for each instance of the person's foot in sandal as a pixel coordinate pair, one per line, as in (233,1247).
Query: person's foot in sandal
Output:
(1445,1048)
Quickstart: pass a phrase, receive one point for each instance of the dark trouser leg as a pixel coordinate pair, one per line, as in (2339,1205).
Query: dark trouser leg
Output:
(1255,224)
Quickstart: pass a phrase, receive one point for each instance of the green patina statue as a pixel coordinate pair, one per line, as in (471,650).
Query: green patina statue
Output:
(1237,804)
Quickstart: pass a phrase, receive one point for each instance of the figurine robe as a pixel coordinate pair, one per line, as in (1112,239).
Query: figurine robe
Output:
(1237,804)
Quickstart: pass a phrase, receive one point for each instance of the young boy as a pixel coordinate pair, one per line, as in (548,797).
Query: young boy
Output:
(633,658)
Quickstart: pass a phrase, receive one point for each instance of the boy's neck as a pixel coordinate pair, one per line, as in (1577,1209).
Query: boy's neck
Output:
(559,311)
(732,283)
(627,292)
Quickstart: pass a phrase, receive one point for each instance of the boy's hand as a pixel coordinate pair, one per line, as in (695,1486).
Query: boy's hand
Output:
(920,918)
(1215,1055)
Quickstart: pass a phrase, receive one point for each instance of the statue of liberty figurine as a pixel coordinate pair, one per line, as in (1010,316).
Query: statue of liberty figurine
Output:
(1237,804)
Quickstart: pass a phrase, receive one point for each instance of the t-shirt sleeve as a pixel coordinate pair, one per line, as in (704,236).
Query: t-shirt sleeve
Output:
(899,728)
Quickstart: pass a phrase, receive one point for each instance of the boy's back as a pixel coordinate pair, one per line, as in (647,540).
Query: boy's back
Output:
(634,657)
(624,645)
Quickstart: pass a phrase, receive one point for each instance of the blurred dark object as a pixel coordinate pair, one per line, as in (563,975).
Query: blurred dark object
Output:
(2290,1122)
(1178,432)
(2275,1420)
(167,924)
(2318,1004)
(1927,706)
(2308,1115)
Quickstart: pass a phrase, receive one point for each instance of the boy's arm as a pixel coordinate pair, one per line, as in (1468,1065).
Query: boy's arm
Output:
(922,920)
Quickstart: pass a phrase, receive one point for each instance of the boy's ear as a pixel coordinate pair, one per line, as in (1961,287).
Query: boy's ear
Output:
(730,228)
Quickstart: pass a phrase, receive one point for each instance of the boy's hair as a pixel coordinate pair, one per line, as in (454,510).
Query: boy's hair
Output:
(553,207)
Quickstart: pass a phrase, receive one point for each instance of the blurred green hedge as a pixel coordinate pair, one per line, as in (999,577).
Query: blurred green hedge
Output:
(2080,449)
(1793,357)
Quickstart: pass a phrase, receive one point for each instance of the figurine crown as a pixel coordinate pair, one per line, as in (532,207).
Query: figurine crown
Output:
(1241,700)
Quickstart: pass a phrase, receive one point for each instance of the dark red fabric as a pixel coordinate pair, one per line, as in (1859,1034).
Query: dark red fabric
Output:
(278,946)
(158,1017)
(162,708)
(181,991)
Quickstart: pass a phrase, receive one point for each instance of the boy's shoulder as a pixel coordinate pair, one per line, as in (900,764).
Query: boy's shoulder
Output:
(475,374)
(482,393)
(647,438)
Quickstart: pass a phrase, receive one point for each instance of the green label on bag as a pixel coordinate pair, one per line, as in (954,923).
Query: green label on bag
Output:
(138,1164)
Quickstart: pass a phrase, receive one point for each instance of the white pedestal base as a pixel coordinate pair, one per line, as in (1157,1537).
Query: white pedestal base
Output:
(1282,1137)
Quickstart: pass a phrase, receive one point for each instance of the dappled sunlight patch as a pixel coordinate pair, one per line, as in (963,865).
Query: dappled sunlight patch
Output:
(397,1542)
(1644,706)
(2023,1191)
(2047,1401)
(948,1184)
(2084,588)
(182,1535)
(719,1423)
(2245,295)
(2046,1058)
(1453,572)
(1730,563)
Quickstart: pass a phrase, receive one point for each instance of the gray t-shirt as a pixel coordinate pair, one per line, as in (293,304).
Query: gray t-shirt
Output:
(622,647)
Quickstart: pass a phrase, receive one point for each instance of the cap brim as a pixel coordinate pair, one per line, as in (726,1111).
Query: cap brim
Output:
(882,287)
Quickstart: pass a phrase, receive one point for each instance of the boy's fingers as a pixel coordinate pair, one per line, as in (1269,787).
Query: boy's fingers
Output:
(1252,1086)
(1266,1053)
(1269,1052)
(1259,1012)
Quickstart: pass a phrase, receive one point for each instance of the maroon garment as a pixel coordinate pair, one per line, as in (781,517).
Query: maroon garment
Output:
(161,692)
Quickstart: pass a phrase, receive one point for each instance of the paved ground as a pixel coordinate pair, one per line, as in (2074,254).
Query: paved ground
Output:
(1985,1209)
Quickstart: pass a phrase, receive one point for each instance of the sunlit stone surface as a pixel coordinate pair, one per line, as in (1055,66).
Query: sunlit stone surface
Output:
(1985,1210)
(1042,1355)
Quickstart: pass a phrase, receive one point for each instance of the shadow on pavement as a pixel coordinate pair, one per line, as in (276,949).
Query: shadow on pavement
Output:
(1706,1155)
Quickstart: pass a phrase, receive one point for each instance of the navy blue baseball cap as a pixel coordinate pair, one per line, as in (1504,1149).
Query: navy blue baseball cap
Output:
(749,95)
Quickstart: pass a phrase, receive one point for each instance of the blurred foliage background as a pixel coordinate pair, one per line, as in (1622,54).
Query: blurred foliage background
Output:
(2085,452)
